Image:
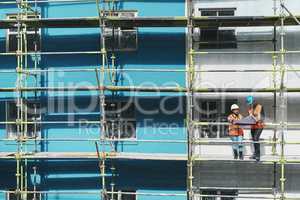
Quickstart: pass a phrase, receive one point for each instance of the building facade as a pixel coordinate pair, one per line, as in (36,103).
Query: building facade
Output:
(129,99)
(144,142)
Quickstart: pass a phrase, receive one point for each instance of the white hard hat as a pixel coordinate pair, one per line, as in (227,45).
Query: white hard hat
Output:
(234,106)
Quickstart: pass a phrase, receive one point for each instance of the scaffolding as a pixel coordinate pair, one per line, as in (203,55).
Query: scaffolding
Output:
(107,70)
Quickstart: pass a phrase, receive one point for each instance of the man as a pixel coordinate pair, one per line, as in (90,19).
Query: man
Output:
(236,133)
(257,111)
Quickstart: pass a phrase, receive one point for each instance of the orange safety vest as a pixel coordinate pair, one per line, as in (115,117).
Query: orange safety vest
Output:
(235,130)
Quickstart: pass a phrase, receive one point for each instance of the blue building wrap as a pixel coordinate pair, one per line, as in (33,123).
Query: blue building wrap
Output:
(159,118)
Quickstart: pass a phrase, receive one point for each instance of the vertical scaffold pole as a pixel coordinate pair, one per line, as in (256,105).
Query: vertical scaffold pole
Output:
(21,172)
(101,82)
(274,77)
(103,13)
(283,100)
(190,99)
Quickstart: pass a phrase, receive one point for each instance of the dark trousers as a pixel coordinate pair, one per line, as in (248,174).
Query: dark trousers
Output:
(255,133)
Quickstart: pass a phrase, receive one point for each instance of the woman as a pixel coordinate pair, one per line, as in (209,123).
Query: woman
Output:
(257,111)
(236,132)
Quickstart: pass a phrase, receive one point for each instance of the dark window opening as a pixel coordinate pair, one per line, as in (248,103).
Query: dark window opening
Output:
(217,38)
(208,193)
(121,122)
(219,194)
(226,13)
(217,12)
(31,112)
(32,35)
(17,196)
(121,195)
(228,193)
(121,38)
(213,111)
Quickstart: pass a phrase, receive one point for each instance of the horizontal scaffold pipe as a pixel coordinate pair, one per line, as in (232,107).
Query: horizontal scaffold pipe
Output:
(59,1)
(147,89)
(51,53)
(226,142)
(50,122)
(271,160)
(36,71)
(117,155)
(170,21)
(292,161)
(90,155)
(243,52)
(51,1)
(234,197)
(237,188)
(101,52)
(248,196)
(92,140)
(141,70)
(267,124)
(93,192)
(196,141)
